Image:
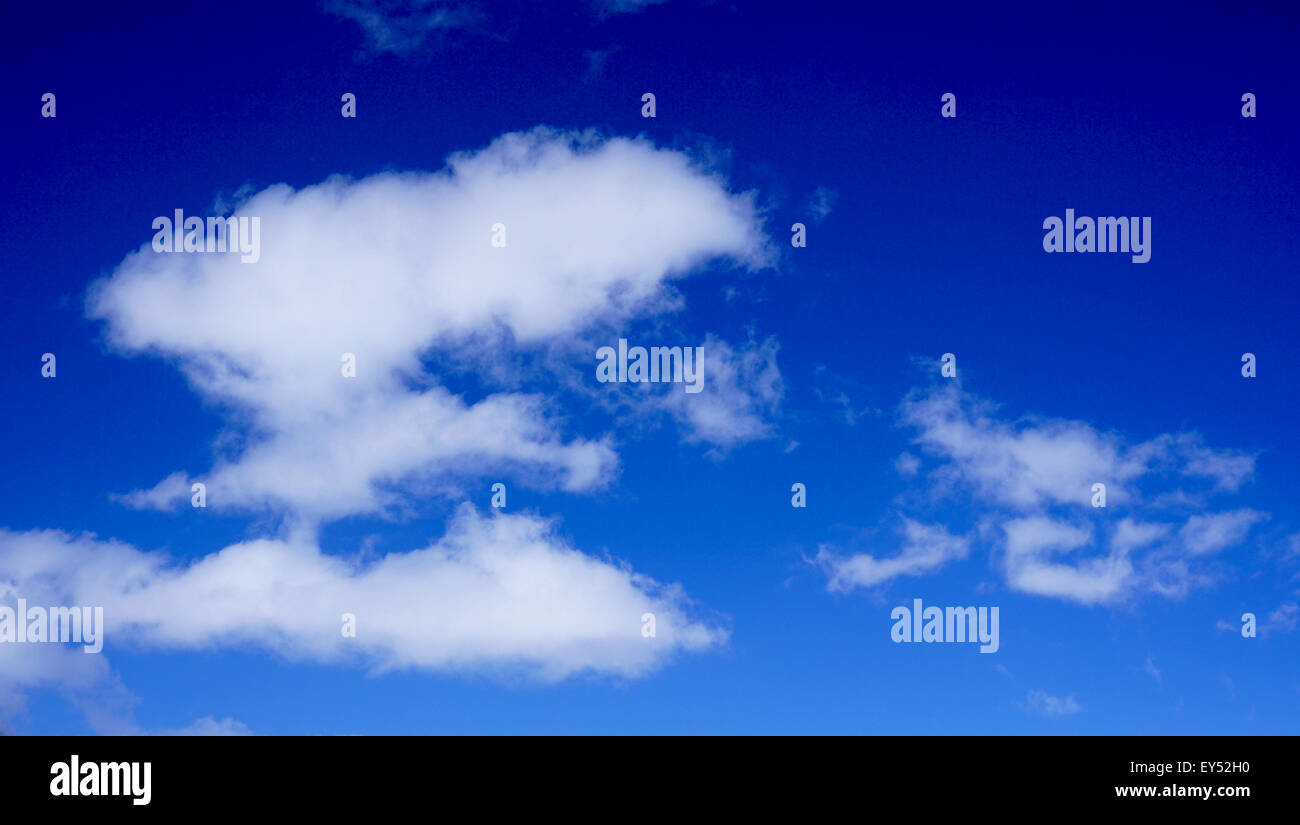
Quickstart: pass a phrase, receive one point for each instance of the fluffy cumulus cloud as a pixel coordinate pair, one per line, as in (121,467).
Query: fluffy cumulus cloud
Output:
(1028,485)
(398,274)
(494,592)
(398,271)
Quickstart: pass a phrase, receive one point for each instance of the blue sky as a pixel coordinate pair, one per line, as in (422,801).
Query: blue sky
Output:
(477,365)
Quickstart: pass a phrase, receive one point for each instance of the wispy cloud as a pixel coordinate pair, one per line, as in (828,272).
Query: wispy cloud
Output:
(401,27)
(609,8)
(1282,620)
(925,549)
(822,203)
(1149,667)
(1029,485)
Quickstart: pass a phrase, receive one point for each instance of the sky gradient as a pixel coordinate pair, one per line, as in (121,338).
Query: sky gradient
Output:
(476,365)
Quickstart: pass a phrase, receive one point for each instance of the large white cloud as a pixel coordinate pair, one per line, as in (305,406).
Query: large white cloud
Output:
(446,328)
(498,592)
(399,270)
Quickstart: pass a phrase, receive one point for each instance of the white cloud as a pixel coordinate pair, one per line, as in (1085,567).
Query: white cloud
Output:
(1149,667)
(607,8)
(1282,620)
(402,26)
(907,464)
(1132,535)
(398,270)
(1227,470)
(1031,481)
(1030,537)
(29,667)
(822,203)
(494,593)
(1031,541)
(1202,535)
(1292,550)
(742,389)
(1039,462)
(597,59)
(925,549)
(1036,476)
(207,726)
(1047,462)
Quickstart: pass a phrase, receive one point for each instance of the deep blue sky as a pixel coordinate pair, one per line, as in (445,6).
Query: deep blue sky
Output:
(933,245)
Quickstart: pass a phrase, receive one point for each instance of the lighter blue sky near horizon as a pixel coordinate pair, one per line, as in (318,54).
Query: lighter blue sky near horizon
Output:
(477,365)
